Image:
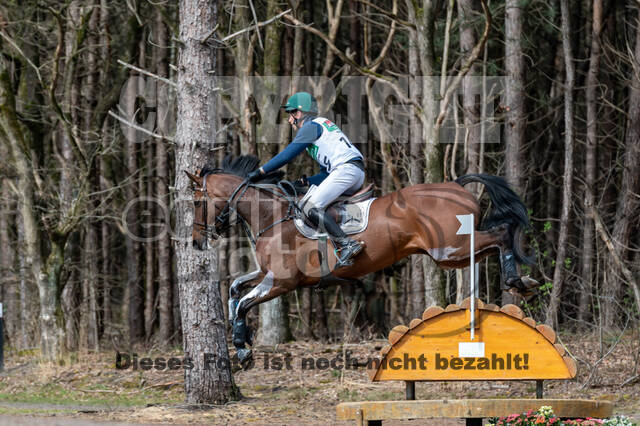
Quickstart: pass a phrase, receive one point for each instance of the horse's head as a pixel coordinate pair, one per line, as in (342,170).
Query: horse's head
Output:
(207,221)
(215,190)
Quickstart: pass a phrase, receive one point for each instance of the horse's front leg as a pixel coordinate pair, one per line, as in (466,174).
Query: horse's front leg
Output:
(267,289)
(241,332)
(236,288)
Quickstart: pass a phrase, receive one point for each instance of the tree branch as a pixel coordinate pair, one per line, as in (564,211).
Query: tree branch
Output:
(392,15)
(365,71)
(145,72)
(140,128)
(614,253)
(259,25)
(473,56)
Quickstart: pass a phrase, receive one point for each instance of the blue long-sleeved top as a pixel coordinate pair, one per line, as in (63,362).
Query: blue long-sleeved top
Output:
(307,135)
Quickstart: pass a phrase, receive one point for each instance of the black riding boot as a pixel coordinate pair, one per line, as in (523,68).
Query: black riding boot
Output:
(347,248)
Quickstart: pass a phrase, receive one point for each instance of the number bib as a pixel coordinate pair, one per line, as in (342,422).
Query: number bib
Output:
(332,148)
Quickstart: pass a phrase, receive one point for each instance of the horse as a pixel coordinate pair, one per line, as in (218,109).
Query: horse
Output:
(416,219)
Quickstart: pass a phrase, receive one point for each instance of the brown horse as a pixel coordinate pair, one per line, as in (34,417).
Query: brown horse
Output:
(417,219)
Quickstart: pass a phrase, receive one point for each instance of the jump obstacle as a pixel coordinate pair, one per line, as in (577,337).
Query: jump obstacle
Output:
(438,347)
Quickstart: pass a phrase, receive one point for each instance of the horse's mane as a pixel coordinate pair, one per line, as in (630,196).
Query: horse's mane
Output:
(241,166)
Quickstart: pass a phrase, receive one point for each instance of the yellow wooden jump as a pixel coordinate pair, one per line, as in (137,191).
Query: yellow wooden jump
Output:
(437,347)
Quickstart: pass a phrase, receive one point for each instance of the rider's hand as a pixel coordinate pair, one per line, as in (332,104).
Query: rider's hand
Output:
(255,175)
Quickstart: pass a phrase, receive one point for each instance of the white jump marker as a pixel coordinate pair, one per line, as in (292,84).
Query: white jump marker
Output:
(471,349)
(466,227)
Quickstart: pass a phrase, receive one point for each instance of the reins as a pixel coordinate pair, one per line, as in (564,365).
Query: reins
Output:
(223,218)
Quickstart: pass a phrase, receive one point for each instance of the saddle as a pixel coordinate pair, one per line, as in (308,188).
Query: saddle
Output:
(351,212)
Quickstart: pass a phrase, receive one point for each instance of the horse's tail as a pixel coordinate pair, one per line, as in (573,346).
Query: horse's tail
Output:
(506,207)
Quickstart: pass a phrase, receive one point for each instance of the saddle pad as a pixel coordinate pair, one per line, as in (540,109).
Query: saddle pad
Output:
(352,218)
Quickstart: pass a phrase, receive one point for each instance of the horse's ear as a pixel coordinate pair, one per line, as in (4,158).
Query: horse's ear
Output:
(195,179)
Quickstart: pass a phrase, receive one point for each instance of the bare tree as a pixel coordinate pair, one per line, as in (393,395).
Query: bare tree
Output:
(590,162)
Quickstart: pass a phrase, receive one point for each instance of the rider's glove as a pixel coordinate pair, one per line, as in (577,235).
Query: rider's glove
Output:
(254,175)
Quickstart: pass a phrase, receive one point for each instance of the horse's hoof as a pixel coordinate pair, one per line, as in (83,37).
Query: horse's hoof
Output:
(514,283)
(529,282)
(523,295)
(245,356)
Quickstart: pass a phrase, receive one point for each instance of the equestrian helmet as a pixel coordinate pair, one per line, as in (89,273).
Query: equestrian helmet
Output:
(301,101)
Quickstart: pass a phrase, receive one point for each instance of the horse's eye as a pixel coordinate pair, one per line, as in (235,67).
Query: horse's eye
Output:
(197,203)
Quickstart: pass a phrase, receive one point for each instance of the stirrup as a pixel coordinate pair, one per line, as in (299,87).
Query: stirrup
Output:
(355,246)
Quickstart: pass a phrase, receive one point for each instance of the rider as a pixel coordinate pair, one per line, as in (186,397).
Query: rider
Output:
(341,168)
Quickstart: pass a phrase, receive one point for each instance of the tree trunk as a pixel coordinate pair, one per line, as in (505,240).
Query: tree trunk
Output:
(274,314)
(149,246)
(425,26)
(514,99)
(162,188)
(8,276)
(203,324)
(135,319)
(470,89)
(46,275)
(590,166)
(628,204)
(89,316)
(416,176)
(567,181)
(514,94)
(321,323)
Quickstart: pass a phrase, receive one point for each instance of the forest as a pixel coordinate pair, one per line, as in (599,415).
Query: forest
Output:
(94,138)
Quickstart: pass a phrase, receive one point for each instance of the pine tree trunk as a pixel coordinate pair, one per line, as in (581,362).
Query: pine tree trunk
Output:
(203,325)
(567,181)
(514,99)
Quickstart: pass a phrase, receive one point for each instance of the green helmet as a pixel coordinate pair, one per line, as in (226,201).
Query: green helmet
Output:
(301,101)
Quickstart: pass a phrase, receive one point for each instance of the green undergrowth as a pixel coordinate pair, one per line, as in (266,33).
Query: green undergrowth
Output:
(43,412)
(89,395)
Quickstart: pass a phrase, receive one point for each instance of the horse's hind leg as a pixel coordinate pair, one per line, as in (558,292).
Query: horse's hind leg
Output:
(496,239)
(457,254)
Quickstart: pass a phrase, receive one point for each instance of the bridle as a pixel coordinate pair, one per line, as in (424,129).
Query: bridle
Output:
(207,230)
(222,221)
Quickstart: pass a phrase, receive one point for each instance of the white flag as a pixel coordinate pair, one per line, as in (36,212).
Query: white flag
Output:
(466,224)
